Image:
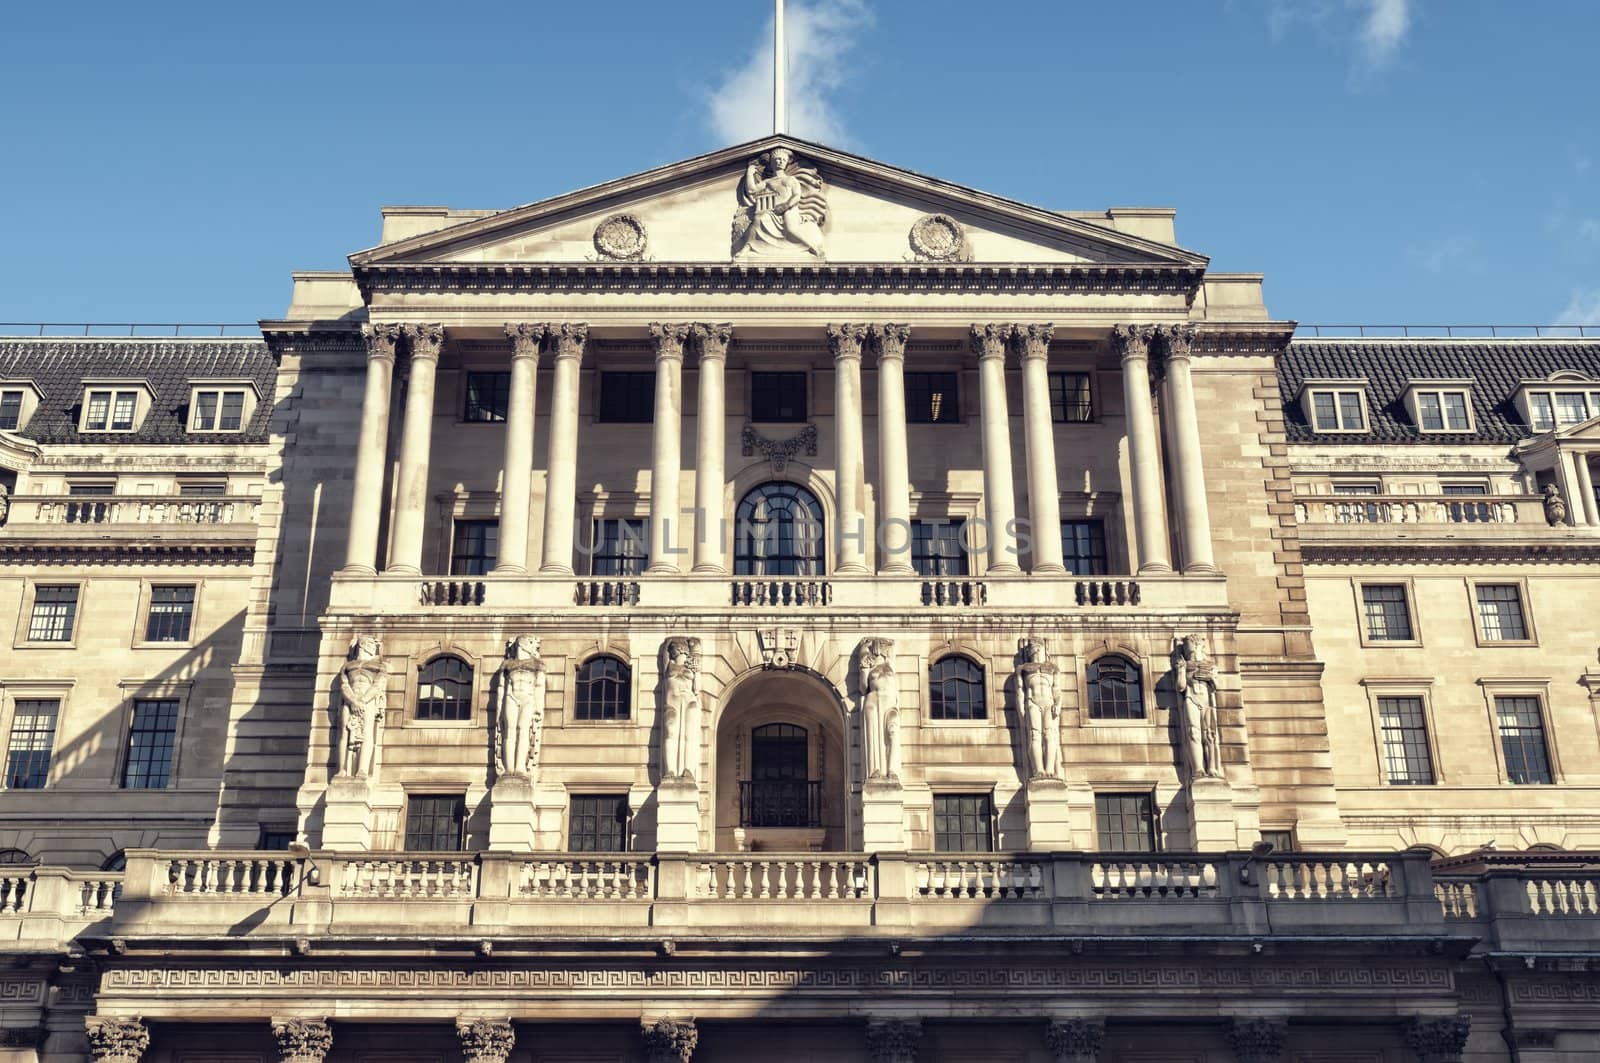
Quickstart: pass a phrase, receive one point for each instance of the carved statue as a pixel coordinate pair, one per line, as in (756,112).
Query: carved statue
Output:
(363,695)
(782,207)
(1040,708)
(1196,680)
(1555,507)
(519,723)
(680,697)
(880,709)
(5,504)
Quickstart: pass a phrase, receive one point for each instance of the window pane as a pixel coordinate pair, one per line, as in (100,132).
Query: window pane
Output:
(171,614)
(1070,401)
(434,823)
(1432,413)
(1500,612)
(444,690)
(1522,739)
(598,824)
(1125,823)
(54,611)
(1542,410)
(932,398)
(627,398)
(10,410)
(1324,414)
(33,734)
(488,397)
(620,547)
(1355,489)
(937,547)
(962,823)
(1406,759)
(1350,410)
(205,410)
(122,411)
(955,690)
(475,548)
(99,411)
(232,411)
(603,690)
(778,532)
(1386,614)
(1571,408)
(778,397)
(1115,692)
(1464,490)
(1083,547)
(1455,411)
(149,764)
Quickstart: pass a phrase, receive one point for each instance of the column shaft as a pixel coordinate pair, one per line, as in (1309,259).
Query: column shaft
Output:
(366,503)
(894,476)
(416,440)
(516,479)
(1194,516)
(710,478)
(1044,491)
(666,468)
(561,481)
(999,496)
(849,447)
(1133,342)
(1590,508)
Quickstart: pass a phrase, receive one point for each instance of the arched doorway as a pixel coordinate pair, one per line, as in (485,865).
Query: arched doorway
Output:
(782,766)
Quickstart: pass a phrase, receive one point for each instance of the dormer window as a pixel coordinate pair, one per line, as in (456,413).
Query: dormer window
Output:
(220,406)
(1440,405)
(1335,405)
(110,409)
(18,400)
(1561,402)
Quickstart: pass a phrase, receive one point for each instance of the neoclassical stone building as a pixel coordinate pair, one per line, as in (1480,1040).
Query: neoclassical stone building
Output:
(779,605)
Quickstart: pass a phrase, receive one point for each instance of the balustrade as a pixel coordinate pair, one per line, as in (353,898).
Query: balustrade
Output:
(580,878)
(957,592)
(404,878)
(210,876)
(1302,878)
(807,877)
(1138,878)
(593,592)
(1420,509)
(980,879)
(788,593)
(1564,896)
(463,592)
(1107,592)
(131,509)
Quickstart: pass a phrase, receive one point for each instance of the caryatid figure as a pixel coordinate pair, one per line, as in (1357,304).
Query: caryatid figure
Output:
(680,706)
(1040,707)
(519,723)
(363,696)
(880,708)
(1195,677)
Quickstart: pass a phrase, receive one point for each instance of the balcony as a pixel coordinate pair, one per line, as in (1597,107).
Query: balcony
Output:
(780,803)
(140,523)
(1435,527)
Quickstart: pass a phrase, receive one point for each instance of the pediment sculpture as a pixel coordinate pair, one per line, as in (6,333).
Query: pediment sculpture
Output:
(1039,708)
(1195,677)
(519,721)
(783,205)
(363,696)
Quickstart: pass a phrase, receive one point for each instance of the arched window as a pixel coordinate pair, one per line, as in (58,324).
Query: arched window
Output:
(15,856)
(603,689)
(117,861)
(955,690)
(778,532)
(1114,690)
(444,690)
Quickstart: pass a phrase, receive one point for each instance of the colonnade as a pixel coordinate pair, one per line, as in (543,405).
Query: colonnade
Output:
(992,343)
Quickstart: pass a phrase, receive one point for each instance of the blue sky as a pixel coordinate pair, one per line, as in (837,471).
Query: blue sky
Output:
(1379,160)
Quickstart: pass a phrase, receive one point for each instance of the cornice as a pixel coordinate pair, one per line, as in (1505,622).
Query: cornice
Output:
(312,337)
(52,550)
(1267,337)
(1506,551)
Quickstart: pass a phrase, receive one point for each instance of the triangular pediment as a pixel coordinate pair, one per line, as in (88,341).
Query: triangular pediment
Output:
(825,206)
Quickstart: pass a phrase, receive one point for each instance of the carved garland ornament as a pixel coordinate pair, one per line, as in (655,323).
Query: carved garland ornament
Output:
(778,452)
(939,238)
(621,238)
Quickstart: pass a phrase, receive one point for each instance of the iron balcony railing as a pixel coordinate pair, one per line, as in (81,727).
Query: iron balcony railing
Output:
(780,803)
(1450,331)
(137,329)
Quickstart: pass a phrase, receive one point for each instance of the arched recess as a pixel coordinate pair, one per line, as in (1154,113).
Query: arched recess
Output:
(796,473)
(763,805)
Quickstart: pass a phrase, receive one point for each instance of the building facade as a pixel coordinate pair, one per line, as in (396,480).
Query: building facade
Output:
(782,604)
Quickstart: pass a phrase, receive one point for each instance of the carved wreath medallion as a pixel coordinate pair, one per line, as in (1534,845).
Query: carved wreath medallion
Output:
(939,238)
(621,238)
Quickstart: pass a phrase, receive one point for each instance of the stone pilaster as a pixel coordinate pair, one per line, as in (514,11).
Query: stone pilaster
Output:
(485,1040)
(116,1040)
(1044,492)
(1257,1040)
(893,1040)
(1132,344)
(670,1040)
(1075,1040)
(302,1040)
(567,342)
(849,447)
(1194,516)
(366,503)
(517,475)
(999,496)
(1441,1040)
(666,436)
(710,476)
(416,442)
(894,476)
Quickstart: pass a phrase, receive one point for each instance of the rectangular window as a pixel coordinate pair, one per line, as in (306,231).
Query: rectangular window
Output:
(1571,408)
(1464,490)
(1406,760)
(171,614)
(778,398)
(1388,619)
(1337,411)
(274,839)
(963,823)
(209,489)
(1500,612)
(1442,411)
(110,411)
(122,408)
(55,610)
(598,823)
(1522,739)
(1355,489)
(620,547)
(33,735)
(936,547)
(475,547)
(220,410)
(932,398)
(1282,841)
(150,738)
(627,398)
(1070,400)
(1083,547)
(1125,823)
(435,822)
(10,410)
(488,397)
(1541,411)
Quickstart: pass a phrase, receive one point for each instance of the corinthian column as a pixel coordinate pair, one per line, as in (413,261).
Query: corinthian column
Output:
(1132,342)
(561,481)
(366,503)
(116,1040)
(894,476)
(710,479)
(416,438)
(1044,492)
(849,449)
(667,446)
(1438,1040)
(1193,516)
(517,476)
(999,499)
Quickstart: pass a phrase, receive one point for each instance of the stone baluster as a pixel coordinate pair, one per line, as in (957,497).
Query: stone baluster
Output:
(849,446)
(894,466)
(113,1040)
(1194,517)
(1075,1040)
(1440,1040)
(517,477)
(666,436)
(1132,343)
(670,1040)
(485,1040)
(1257,1040)
(1044,491)
(416,440)
(366,503)
(567,342)
(893,1040)
(710,478)
(999,497)
(302,1040)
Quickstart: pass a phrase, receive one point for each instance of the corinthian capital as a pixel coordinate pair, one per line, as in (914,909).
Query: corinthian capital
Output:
(1033,341)
(568,339)
(989,341)
(1177,340)
(1438,1040)
(669,340)
(713,340)
(890,340)
(1257,1040)
(525,339)
(381,338)
(485,1040)
(302,1040)
(1132,341)
(845,340)
(116,1040)
(425,340)
(670,1040)
(893,1041)
(1075,1040)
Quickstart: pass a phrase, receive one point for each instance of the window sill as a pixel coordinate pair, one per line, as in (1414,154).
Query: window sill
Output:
(1484,643)
(1391,644)
(27,644)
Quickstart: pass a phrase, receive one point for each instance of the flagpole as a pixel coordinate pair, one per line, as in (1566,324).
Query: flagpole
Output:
(780,64)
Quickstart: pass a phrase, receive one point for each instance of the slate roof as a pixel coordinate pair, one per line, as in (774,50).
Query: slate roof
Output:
(1495,367)
(58,368)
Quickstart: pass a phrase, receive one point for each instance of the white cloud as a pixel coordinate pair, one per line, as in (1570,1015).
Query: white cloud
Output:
(1583,309)
(1379,27)
(1384,26)
(821,35)
(1589,229)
